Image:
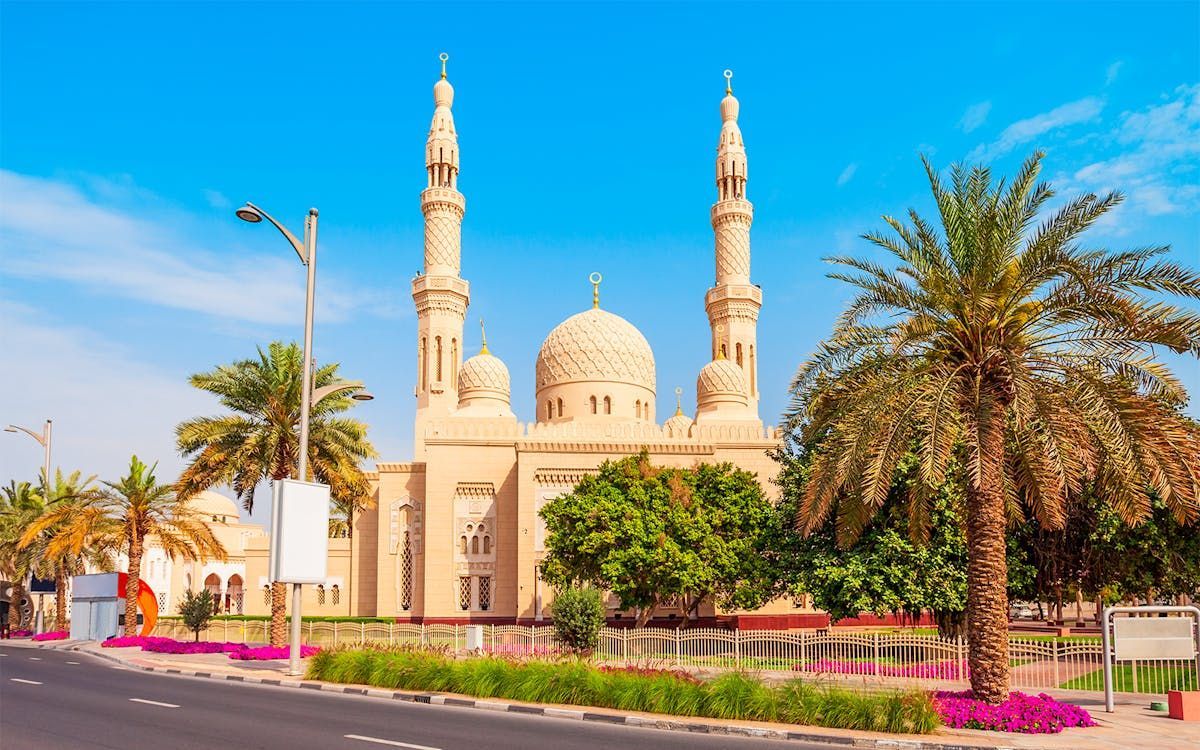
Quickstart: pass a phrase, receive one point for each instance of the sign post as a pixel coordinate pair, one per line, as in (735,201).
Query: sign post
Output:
(299,544)
(1148,639)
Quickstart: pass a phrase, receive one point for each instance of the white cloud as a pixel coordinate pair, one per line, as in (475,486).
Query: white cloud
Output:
(847,174)
(1160,160)
(216,199)
(1024,131)
(1113,71)
(51,229)
(105,403)
(975,116)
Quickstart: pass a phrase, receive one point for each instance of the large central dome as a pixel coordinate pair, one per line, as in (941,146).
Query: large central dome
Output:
(594,355)
(595,345)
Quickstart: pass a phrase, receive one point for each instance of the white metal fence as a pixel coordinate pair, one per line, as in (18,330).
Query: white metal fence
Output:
(1037,663)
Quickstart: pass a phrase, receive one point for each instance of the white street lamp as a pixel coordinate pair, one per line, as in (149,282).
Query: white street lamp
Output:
(308,256)
(44,439)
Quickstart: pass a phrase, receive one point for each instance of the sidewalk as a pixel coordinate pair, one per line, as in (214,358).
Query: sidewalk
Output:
(1131,725)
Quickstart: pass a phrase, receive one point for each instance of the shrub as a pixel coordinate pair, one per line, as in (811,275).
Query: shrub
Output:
(577,682)
(196,609)
(578,617)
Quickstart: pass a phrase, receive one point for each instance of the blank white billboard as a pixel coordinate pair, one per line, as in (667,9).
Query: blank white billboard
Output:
(299,531)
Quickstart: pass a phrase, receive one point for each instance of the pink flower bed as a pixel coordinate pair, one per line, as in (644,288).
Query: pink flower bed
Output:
(53,635)
(20,634)
(941,670)
(239,651)
(263,653)
(1028,714)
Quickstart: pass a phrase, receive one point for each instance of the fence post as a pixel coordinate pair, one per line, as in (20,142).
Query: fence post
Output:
(875,655)
(737,647)
(625,645)
(678,644)
(803,650)
(1057,678)
(961,657)
(362,628)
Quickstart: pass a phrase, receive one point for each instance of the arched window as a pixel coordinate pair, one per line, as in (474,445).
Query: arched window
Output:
(437,345)
(592,403)
(337,594)
(560,408)
(454,362)
(320,593)
(487,545)
(647,412)
(607,405)
(724,352)
(475,545)
(462,545)
(738,350)
(753,373)
(267,595)
(637,408)
(423,363)
(549,410)
(406,574)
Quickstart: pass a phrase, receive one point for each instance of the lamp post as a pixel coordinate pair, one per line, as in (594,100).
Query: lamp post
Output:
(44,439)
(307,251)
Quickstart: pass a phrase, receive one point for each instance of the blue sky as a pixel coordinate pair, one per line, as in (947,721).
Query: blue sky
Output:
(129,132)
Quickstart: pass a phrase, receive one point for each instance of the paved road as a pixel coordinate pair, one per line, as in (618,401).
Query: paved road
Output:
(63,699)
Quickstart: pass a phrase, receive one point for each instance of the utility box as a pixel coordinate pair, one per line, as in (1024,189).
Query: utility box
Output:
(474,637)
(95,607)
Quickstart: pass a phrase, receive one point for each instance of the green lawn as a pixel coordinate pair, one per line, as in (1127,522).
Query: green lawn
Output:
(1150,679)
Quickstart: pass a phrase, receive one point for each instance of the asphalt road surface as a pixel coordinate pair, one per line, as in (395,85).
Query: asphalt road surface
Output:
(63,699)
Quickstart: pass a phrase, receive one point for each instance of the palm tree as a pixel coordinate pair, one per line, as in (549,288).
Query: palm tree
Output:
(64,494)
(1017,347)
(123,515)
(260,440)
(19,503)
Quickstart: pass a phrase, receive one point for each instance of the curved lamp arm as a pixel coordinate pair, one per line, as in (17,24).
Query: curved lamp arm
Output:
(346,385)
(40,438)
(297,245)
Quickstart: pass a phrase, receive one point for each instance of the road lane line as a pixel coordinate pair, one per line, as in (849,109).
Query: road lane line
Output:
(73,662)
(154,703)
(35,658)
(27,682)
(392,743)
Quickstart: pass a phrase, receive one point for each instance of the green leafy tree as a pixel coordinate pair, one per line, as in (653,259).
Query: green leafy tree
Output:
(650,534)
(196,609)
(885,570)
(578,615)
(259,440)
(1033,355)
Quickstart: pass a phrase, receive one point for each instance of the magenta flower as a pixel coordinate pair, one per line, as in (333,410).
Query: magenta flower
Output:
(53,635)
(1028,714)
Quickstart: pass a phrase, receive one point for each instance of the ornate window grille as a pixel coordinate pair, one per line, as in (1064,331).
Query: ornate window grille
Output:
(336,592)
(406,574)
(464,593)
(320,594)
(266,594)
(485,593)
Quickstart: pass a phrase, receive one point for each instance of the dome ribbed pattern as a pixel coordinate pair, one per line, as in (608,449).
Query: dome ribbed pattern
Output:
(720,377)
(595,345)
(678,425)
(483,372)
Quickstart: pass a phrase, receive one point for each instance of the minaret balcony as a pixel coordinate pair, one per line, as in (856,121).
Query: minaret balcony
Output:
(729,292)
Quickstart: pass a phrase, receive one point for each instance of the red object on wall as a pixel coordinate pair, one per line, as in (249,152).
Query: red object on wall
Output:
(1183,704)
(147,602)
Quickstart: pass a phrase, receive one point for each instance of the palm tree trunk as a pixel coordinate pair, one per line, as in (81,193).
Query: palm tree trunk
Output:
(60,597)
(279,636)
(987,566)
(132,577)
(14,606)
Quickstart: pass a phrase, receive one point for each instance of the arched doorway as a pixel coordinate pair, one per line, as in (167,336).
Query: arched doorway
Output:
(213,584)
(234,596)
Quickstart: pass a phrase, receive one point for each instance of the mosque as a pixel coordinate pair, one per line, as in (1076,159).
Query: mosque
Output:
(455,534)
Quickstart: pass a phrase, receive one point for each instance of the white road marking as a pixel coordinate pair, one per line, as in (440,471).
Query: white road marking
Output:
(393,743)
(27,682)
(73,662)
(154,703)
(35,658)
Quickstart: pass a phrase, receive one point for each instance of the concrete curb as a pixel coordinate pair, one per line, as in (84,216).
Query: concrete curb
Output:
(696,726)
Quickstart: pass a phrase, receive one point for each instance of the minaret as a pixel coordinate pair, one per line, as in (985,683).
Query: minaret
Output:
(440,294)
(733,302)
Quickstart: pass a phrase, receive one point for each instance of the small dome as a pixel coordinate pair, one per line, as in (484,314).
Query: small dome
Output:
(483,372)
(729,108)
(595,345)
(209,503)
(678,425)
(443,93)
(721,378)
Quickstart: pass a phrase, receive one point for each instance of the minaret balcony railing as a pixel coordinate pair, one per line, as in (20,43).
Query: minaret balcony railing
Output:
(748,292)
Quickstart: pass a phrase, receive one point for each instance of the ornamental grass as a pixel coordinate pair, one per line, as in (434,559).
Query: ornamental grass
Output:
(734,695)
